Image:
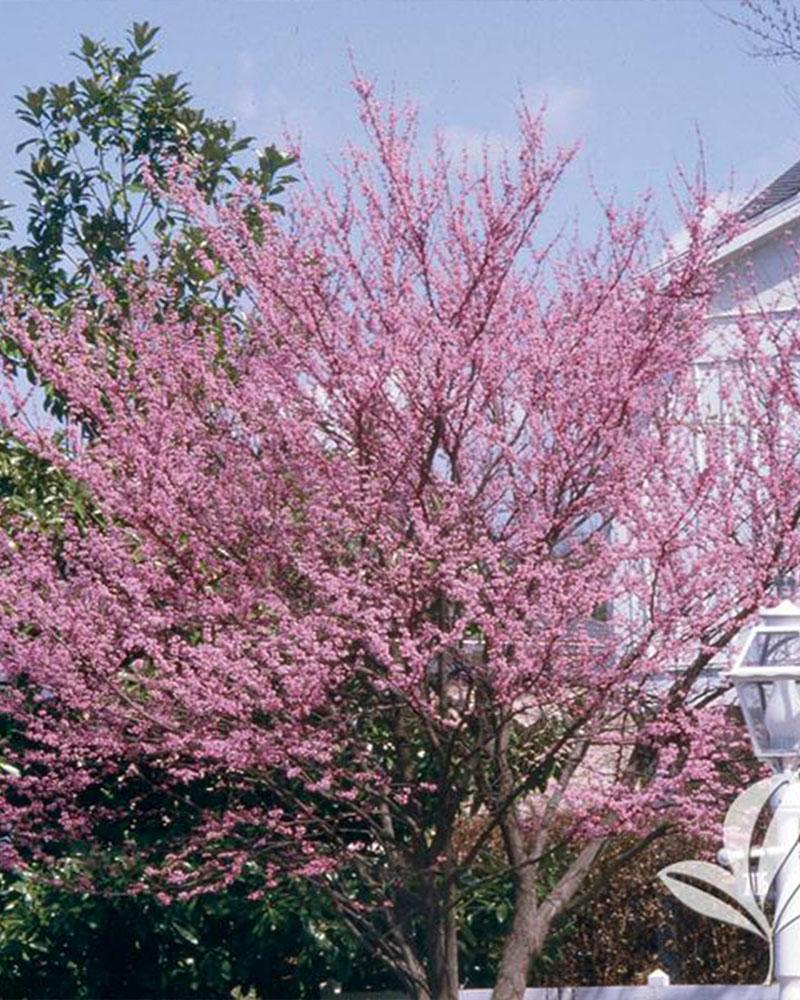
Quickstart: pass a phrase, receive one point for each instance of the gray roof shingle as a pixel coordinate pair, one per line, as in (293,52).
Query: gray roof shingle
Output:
(781,189)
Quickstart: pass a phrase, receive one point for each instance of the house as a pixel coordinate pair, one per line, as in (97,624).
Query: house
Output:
(762,260)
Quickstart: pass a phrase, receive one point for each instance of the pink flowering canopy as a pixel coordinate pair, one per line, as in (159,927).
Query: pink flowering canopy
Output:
(419,554)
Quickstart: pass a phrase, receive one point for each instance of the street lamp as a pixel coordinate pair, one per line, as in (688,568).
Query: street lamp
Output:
(767,679)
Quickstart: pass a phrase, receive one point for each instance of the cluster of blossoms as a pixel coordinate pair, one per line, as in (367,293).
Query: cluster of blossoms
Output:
(405,547)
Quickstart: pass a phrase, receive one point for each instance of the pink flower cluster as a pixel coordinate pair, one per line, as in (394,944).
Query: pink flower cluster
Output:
(434,528)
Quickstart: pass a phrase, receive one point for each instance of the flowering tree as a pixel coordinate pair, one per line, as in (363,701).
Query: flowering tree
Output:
(380,583)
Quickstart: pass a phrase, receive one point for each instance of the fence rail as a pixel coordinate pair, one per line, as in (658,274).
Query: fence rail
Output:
(655,991)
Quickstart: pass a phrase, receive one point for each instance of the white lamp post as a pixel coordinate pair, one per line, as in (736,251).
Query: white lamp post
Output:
(767,679)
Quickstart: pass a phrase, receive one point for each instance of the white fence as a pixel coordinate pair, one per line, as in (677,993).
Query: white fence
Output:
(639,993)
(652,992)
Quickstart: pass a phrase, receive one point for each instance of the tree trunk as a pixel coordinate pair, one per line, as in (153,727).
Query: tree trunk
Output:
(412,974)
(442,943)
(533,920)
(405,963)
(526,937)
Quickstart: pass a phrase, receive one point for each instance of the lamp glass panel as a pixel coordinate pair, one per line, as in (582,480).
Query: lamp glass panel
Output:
(753,697)
(772,712)
(772,649)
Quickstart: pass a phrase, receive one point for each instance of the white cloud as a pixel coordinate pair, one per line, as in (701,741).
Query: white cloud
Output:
(288,122)
(269,113)
(473,141)
(245,100)
(565,104)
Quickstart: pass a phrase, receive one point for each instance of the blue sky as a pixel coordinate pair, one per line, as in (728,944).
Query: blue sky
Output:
(634,80)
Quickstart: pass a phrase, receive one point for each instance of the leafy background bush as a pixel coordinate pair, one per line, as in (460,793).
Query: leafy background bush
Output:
(58,942)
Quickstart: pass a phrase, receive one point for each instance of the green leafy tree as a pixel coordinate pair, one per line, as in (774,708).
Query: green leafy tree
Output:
(99,151)
(94,141)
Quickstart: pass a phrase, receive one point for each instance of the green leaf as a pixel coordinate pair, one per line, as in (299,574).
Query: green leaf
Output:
(187,934)
(88,47)
(143,34)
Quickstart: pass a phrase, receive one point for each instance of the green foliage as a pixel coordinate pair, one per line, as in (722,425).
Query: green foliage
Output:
(34,493)
(91,212)
(57,941)
(91,209)
(6,228)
